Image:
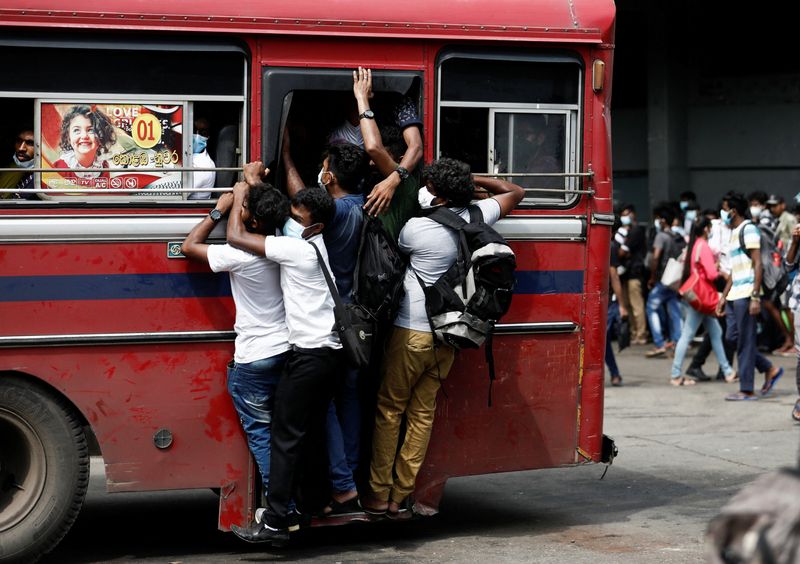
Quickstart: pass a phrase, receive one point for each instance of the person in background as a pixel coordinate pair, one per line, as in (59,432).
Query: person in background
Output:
(786,221)
(22,159)
(741,300)
(633,252)
(700,261)
(687,200)
(794,305)
(616,311)
(660,295)
(201,159)
(758,205)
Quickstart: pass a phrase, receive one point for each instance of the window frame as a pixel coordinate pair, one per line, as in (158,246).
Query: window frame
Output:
(574,113)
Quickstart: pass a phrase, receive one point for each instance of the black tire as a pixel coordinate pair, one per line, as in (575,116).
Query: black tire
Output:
(44,469)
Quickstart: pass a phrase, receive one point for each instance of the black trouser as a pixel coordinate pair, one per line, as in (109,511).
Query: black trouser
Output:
(301,405)
(705,347)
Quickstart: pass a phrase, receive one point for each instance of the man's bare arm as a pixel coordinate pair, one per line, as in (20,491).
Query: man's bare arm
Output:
(238,236)
(195,246)
(507,194)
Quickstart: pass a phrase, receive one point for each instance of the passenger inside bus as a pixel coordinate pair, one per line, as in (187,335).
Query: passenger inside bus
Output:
(201,159)
(22,158)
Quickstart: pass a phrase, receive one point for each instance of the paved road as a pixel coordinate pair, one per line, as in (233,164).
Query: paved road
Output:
(683,453)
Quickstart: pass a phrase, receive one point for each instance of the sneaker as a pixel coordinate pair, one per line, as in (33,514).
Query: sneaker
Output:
(652,353)
(796,411)
(261,532)
(295,519)
(697,373)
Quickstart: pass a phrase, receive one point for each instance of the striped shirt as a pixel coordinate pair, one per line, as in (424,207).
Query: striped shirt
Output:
(742,271)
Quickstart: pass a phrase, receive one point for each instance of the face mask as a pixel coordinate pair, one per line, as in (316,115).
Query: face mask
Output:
(293,229)
(725,216)
(198,143)
(23,164)
(676,229)
(684,205)
(657,224)
(691,215)
(625,220)
(425,198)
(320,183)
(755,211)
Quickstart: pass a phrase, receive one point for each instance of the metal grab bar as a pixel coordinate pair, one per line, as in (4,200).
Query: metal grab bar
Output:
(126,169)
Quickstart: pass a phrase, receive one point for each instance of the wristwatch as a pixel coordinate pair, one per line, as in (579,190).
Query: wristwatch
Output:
(402,172)
(369,114)
(215,215)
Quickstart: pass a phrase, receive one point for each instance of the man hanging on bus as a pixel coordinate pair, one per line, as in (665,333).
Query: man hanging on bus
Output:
(261,346)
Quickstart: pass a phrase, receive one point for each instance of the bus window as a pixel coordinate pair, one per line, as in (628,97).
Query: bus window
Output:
(503,113)
(127,136)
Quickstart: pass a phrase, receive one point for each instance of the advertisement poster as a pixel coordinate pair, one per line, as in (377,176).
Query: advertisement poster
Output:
(112,142)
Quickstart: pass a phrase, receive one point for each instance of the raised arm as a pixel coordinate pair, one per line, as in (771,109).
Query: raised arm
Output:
(294,183)
(237,235)
(195,246)
(507,194)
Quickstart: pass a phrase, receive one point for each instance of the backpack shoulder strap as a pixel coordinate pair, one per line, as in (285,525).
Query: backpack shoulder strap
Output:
(447,217)
(475,214)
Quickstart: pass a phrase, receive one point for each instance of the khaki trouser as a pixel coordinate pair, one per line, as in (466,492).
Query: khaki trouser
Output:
(634,301)
(409,388)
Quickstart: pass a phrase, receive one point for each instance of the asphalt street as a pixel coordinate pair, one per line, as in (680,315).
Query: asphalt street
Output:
(684,452)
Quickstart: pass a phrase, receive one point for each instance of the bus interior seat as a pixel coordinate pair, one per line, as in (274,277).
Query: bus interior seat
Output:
(226,154)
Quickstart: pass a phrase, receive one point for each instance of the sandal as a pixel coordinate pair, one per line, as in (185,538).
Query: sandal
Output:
(741,396)
(399,511)
(682,381)
(370,510)
(732,377)
(796,411)
(770,382)
(348,507)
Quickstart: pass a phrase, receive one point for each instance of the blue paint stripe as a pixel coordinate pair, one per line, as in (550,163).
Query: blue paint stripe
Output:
(205,285)
(549,282)
(113,287)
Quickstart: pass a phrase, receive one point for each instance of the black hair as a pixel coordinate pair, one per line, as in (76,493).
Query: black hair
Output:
(666,212)
(392,139)
(711,212)
(25,127)
(452,180)
(697,231)
(628,208)
(318,202)
(268,206)
(349,163)
(688,196)
(100,123)
(759,196)
(736,201)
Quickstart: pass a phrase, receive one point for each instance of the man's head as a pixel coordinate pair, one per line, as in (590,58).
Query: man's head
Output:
(392,139)
(628,215)
(344,165)
(313,208)
(202,129)
(450,180)
(265,209)
(686,199)
(663,216)
(24,147)
(776,205)
(758,201)
(734,208)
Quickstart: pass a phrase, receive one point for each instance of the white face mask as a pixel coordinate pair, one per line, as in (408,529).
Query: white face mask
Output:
(425,198)
(755,211)
(23,164)
(657,224)
(320,183)
(691,215)
(725,216)
(625,220)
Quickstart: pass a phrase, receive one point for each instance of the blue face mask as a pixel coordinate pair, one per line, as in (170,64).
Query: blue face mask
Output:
(684,205)
(199,143)
(725,216)
(293,229)
(691,215)
(625,220)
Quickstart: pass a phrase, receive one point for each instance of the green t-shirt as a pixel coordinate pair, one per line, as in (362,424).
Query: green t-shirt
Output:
(404,206)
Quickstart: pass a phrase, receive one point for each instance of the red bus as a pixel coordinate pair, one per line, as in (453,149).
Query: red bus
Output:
(111,338)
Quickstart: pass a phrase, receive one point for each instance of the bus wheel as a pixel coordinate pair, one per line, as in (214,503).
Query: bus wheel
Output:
(44,469)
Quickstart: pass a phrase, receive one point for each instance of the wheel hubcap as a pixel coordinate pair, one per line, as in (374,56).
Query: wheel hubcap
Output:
(23,468)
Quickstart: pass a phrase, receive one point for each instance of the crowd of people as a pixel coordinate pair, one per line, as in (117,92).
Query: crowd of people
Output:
(294,394)
(730,248)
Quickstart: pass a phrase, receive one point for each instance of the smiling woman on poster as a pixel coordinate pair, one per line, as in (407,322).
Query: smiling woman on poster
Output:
(86,135)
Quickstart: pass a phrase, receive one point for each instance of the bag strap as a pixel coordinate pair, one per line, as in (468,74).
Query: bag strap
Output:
(338,310)
(446,217)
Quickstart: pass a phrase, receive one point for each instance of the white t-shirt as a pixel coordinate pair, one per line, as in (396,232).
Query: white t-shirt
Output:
(433,249)
(255,284)
(203,179)
(306,298)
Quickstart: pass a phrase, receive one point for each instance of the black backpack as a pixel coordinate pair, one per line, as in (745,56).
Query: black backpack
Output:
(774,277)
(379,272)
(475,292)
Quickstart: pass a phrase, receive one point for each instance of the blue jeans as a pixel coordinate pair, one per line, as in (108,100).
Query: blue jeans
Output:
(343,430)
(693,320)
(252,388)
(613,319)
(742,330)
(659,296)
